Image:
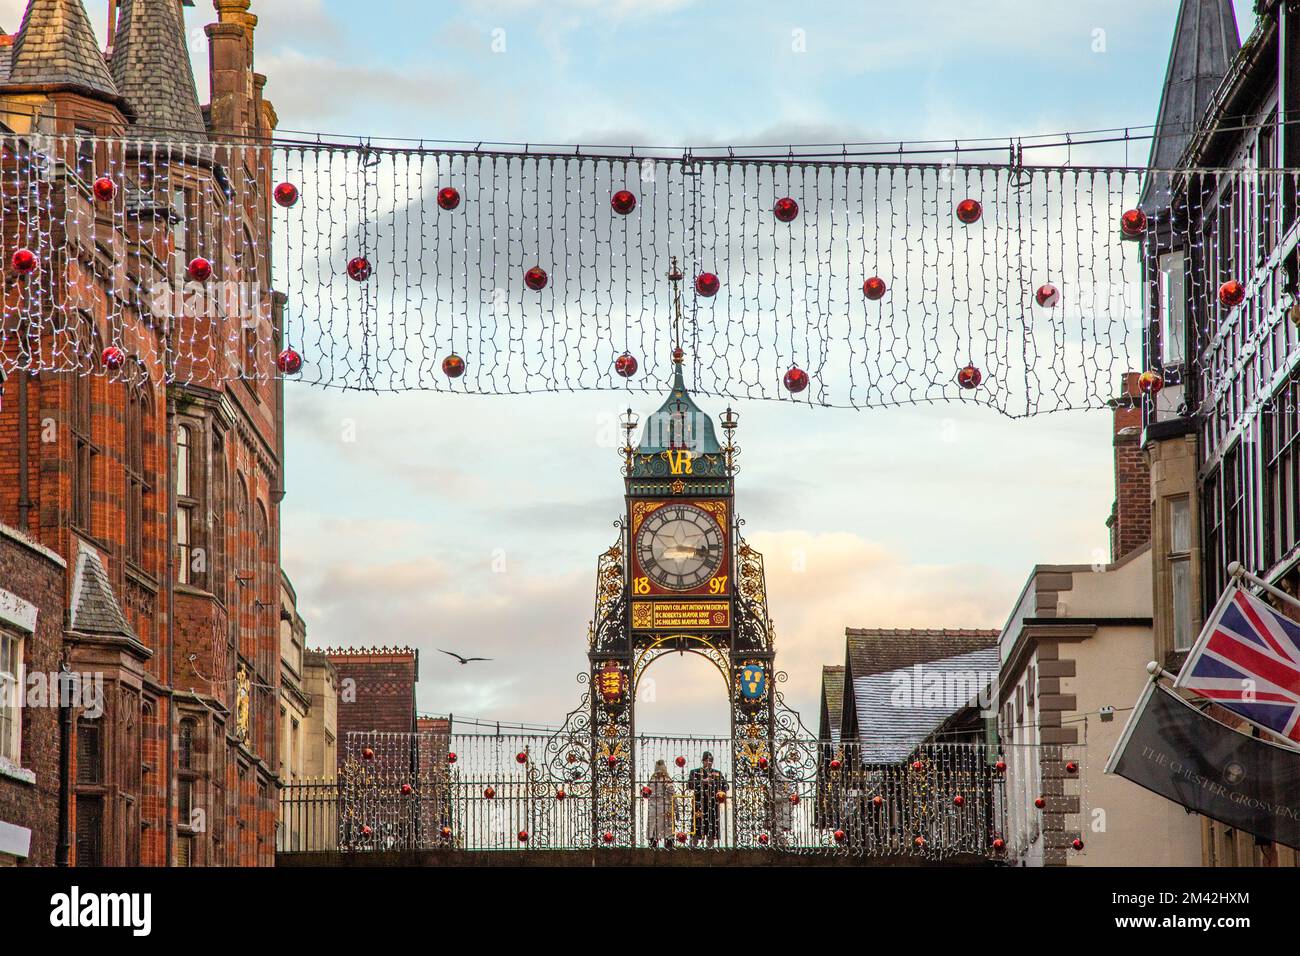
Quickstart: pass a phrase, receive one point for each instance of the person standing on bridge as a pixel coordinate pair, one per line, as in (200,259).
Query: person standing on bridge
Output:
(659,812)
(705,784)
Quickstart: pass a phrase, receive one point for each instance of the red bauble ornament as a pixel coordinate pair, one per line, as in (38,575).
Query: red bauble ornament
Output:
(969,211)
(1040,802)
(365,830)
(448,198)
(835,765)
(919,842)
(874,288)
(681,837)
(786,209)
(446,833)
(560,794)
(453,366)
(105,189)
(407,790)
(489,793)
(762,763)
(622,202)
(969,377)
(918,766)
(959,800)
(451,758)
(1047,295)
(999,844)
(536,278)
(23,261)
(625,365)
(722,796)
(679,355)
(286,194)
(521,757)
(707,284)
(359,269)
(796,379)
(113,357)
(680,761)
(1071,767)
(1150,382)
(367,753)
(762,839)
(288,361)
(523,836)
(200,269)
(1000,766)
(794,799)
(1133,224)
(839,836)
(646,791)
(1232,293)
(877,801)
(1077,843)
(608,837)
(612,761)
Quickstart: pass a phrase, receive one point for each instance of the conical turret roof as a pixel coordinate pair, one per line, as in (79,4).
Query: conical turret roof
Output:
(56,46)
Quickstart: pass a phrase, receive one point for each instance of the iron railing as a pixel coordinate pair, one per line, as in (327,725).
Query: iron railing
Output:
(502,792)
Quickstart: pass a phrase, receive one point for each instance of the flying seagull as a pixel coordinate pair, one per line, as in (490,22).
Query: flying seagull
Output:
(464,660)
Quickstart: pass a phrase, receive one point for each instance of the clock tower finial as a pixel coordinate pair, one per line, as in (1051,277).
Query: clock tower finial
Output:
(675,276)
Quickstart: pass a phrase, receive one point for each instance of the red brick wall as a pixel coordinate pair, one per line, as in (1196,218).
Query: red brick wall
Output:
(37,579)
(1130,522)
(97,259)
(376,691)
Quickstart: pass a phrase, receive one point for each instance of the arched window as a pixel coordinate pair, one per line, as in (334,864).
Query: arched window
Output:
(243,534)
(84,450)
(217,521)
(185,744)
(183,461)
(263,588)
(184,508)
(137,413)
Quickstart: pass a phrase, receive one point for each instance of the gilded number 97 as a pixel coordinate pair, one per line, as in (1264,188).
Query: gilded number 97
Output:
(718,585)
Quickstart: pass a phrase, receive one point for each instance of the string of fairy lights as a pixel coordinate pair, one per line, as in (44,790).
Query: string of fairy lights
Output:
(837,282)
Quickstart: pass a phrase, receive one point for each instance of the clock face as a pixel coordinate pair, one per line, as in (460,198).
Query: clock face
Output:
(680,547)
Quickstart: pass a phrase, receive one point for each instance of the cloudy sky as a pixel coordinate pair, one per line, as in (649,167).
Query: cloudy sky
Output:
(473,523)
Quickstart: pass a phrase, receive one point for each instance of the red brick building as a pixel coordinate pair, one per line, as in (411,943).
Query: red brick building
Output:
(31,645)
(161,500)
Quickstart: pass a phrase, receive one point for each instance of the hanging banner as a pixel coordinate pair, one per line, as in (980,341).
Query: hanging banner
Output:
(1171,748)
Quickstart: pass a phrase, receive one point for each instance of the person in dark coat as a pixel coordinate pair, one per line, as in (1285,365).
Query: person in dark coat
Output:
(705,784)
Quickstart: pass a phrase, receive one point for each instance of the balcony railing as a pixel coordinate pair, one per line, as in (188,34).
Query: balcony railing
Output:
(494,793)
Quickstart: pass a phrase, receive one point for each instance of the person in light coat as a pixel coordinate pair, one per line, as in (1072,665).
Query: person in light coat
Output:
(659,810)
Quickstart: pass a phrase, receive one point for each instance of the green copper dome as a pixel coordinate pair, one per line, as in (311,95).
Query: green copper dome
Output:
(679,423)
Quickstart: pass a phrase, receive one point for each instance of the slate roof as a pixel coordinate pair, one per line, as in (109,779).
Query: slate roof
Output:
(1205,43)
(56,45)
(877,650)
(832,701)
(898,709)
(151,67)
(94,606)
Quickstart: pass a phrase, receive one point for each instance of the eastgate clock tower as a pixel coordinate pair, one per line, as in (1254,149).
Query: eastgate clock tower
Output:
(681,579)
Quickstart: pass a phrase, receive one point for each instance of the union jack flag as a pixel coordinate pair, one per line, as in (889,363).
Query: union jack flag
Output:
(1247,660)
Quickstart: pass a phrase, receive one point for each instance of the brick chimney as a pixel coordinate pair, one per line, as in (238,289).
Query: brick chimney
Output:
(1130,515)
